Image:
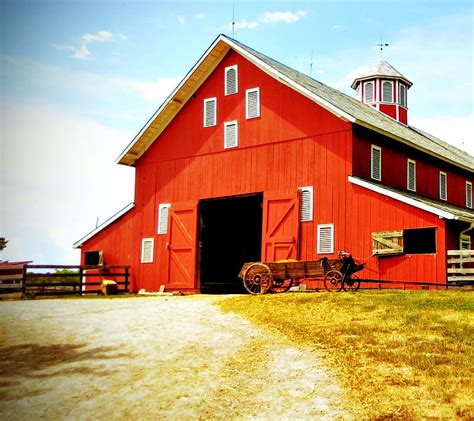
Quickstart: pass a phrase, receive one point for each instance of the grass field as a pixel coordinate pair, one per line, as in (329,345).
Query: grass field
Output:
(399,354)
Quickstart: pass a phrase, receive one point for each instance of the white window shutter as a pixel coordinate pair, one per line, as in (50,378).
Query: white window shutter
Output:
(147,250)
(231,80)
(163,216)
(210,112)
(252,102)
(443,189)
(387,92)
(376,163)
(325,238)
(230,134)
(369,92)
(469,194)
(411,175)
(306,203)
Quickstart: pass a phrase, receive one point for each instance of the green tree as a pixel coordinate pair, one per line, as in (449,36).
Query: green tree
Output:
(3,243)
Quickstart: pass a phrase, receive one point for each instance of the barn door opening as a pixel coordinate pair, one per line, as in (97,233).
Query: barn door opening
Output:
(230,234)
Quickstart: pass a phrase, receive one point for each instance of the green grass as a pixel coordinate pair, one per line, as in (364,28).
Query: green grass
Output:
(399,354)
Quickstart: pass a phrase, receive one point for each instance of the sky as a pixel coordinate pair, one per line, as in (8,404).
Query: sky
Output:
(78,80)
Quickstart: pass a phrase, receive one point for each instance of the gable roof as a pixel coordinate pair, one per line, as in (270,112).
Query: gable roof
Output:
(341,105)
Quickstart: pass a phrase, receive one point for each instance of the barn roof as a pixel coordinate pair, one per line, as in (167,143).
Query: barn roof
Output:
(342,105)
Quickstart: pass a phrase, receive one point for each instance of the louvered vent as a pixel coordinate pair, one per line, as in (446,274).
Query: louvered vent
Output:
(411,175)
(147,250)
(210,112)
(376,167)
(306,205)
(163,215)
(253,103)
(443,191)
(230,135)
(325,239)
(469,195)
(231,80)
(403,96)
(369,92)
(387,92)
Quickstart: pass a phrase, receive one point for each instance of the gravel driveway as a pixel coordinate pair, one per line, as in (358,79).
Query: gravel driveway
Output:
(153,358)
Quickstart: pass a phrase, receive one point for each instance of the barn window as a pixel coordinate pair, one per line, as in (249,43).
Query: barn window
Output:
(325,238)
(252,103)
(210,112)
(147,250)
(469,194)
(231,80)
(306,203)
(387,91)
(231,139)
(368,91)
(411,175)
(419,241)
(376,163)
(94,258)
(443,188)
(163,215)
(402,95)
(387,243)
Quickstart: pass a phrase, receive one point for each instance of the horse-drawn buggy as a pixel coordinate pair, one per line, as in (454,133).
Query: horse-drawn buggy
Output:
(338,274)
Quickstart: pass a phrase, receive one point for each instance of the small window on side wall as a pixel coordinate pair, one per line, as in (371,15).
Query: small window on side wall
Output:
(231,80)
(147,250)
(94,258)
(210,112)
(419,241)
(443,187)
(469,194)
(411,175)
(325,239)
(376,163)
(163,216)
(231,139)
(252,103)
(306,203)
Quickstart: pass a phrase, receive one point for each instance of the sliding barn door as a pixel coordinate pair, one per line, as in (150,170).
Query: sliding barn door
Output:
(280,225)
(181,245)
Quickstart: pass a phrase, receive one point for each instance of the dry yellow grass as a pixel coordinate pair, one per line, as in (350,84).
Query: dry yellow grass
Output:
(399,354)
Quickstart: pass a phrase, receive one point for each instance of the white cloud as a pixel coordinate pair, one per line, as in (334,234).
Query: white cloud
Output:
(101,36)
(181,19)
(243,24)
(287,17)
(82,53)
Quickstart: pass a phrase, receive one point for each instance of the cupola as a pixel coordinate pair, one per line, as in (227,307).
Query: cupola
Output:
(384,88)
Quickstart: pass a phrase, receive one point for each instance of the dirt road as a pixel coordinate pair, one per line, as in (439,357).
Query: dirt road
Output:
(153,358)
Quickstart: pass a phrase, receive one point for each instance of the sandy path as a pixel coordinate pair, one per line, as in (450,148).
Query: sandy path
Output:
(153,358)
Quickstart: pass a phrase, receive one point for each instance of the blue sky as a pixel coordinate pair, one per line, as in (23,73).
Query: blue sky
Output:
(80,78)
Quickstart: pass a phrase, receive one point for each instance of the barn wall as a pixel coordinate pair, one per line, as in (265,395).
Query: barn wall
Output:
(394,167)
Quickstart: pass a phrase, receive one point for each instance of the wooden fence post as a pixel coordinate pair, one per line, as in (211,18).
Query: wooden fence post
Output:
(23,282)
(126,279)
(80,280)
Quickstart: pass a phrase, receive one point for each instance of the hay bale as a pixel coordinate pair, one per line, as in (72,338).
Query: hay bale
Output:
(109,287)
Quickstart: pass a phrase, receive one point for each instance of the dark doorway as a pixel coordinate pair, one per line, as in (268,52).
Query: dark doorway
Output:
(230,234)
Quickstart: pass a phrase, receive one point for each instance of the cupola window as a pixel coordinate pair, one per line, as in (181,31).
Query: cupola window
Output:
(402,95)
(369,92)
(387,91)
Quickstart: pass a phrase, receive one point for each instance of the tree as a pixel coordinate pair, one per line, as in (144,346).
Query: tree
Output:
(3,243)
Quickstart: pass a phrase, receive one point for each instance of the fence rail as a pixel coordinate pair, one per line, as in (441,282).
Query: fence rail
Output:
(32,280)
(460,265)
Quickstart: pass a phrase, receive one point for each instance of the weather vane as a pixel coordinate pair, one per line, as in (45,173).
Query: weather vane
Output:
(381,45)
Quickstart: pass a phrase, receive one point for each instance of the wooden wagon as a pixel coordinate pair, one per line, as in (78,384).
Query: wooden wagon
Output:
(262,277)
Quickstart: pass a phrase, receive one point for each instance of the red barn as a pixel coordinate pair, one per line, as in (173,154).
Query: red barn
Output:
(250,160)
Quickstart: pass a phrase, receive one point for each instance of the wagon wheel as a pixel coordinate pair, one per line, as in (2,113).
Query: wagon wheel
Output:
(352,284)
(281,285)
(258,278)
(333,281)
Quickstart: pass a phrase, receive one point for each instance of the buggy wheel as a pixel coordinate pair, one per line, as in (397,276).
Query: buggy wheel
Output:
(281,285)
(258,278)
(352,284)
(333,281)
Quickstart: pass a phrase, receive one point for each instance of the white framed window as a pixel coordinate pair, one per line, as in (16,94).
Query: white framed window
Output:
(147,250)
(325,239)
(231,80)
(443,187)
(306,203)
(411,175)
(163,216)
(387,91)
(210,112)
(402,95)
(252,103)
(231,134)
(369,92)
(469,194)
(376,163)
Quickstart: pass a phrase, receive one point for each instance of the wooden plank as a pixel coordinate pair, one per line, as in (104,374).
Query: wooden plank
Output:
(11,277)
(460,270)
(11,286)
(460,278)
(461,252)
(462,260)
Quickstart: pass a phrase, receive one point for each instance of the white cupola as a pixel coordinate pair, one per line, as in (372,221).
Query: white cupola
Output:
(384,88)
